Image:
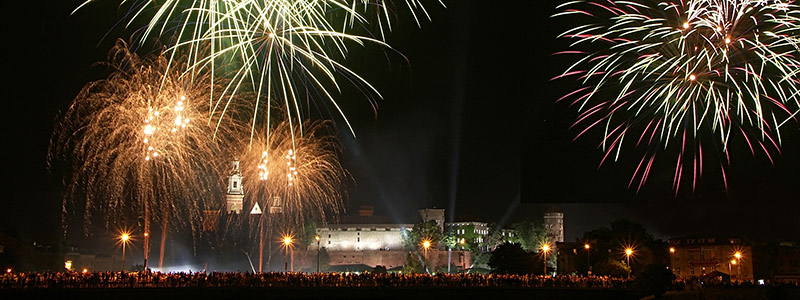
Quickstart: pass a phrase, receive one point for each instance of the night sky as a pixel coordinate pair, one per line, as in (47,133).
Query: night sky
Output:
(468,121)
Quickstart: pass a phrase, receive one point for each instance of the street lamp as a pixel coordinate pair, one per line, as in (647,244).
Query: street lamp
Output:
(738,256)
(463,262)
(545,249)
(124,238)
(588,259)
(425,245)
(146,249)
(287,242)
(628,253)
(317,238)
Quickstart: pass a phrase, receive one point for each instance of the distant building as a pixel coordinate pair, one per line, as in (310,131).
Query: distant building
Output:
(554,225)
(373,240)
(362,237)
(788,257)
(93,262)
(433,214)
(694,257)
(470,232)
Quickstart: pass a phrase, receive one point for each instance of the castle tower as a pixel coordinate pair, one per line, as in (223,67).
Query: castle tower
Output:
(235,195)
(433,214)
(554,224)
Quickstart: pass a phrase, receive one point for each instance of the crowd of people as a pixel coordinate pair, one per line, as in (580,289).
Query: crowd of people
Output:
(295,280)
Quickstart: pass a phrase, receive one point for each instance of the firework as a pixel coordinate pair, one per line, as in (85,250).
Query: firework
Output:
(301,174)
(670,75)
(291,51)
(141,144)
(294,179)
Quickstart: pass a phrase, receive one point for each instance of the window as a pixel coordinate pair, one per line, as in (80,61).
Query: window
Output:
(234,184)
(691,271)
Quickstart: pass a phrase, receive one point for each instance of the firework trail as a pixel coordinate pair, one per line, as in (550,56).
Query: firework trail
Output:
(292,178)
(140,146)
(671,75)
(286,50)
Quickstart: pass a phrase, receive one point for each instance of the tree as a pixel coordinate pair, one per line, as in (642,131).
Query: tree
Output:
(608,246)
(611,267)
(529,236)
(305,234)
(510,258)
(413,265)
(654,279)
(412,240)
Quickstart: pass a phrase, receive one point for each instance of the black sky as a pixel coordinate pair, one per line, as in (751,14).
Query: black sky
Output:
(468,120)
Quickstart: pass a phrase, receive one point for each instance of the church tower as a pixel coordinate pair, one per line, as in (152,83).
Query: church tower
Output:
(235,195)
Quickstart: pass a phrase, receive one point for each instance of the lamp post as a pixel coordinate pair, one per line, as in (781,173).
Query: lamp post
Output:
(287,242)
(628,253)
(425,245)
(545,249)
(588,259)
(146,249)
(738,256)
(317,238)
(124,238)
(463,261)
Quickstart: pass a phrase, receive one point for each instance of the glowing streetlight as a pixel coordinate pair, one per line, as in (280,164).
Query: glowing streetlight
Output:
(317,238)
(545,249)
(124,238)
(588,259)
(738,256)
(287,243)
(146,249)
(425,245)
(628,253)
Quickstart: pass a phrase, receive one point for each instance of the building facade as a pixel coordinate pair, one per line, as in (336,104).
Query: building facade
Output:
(554,225)
(362,237)
(788,264)
(694,257)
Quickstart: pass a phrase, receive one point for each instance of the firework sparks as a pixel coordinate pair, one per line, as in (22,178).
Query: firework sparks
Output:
(140,144)
(293,178)
(670,74)
(281,50)
(309,179)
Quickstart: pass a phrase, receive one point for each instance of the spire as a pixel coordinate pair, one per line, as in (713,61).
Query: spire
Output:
(235,194)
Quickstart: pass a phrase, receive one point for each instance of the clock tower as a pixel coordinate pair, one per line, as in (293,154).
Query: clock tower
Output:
(235,194)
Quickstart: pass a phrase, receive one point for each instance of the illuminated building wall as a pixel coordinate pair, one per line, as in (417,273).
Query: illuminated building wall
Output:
(698,256)
(362,237)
